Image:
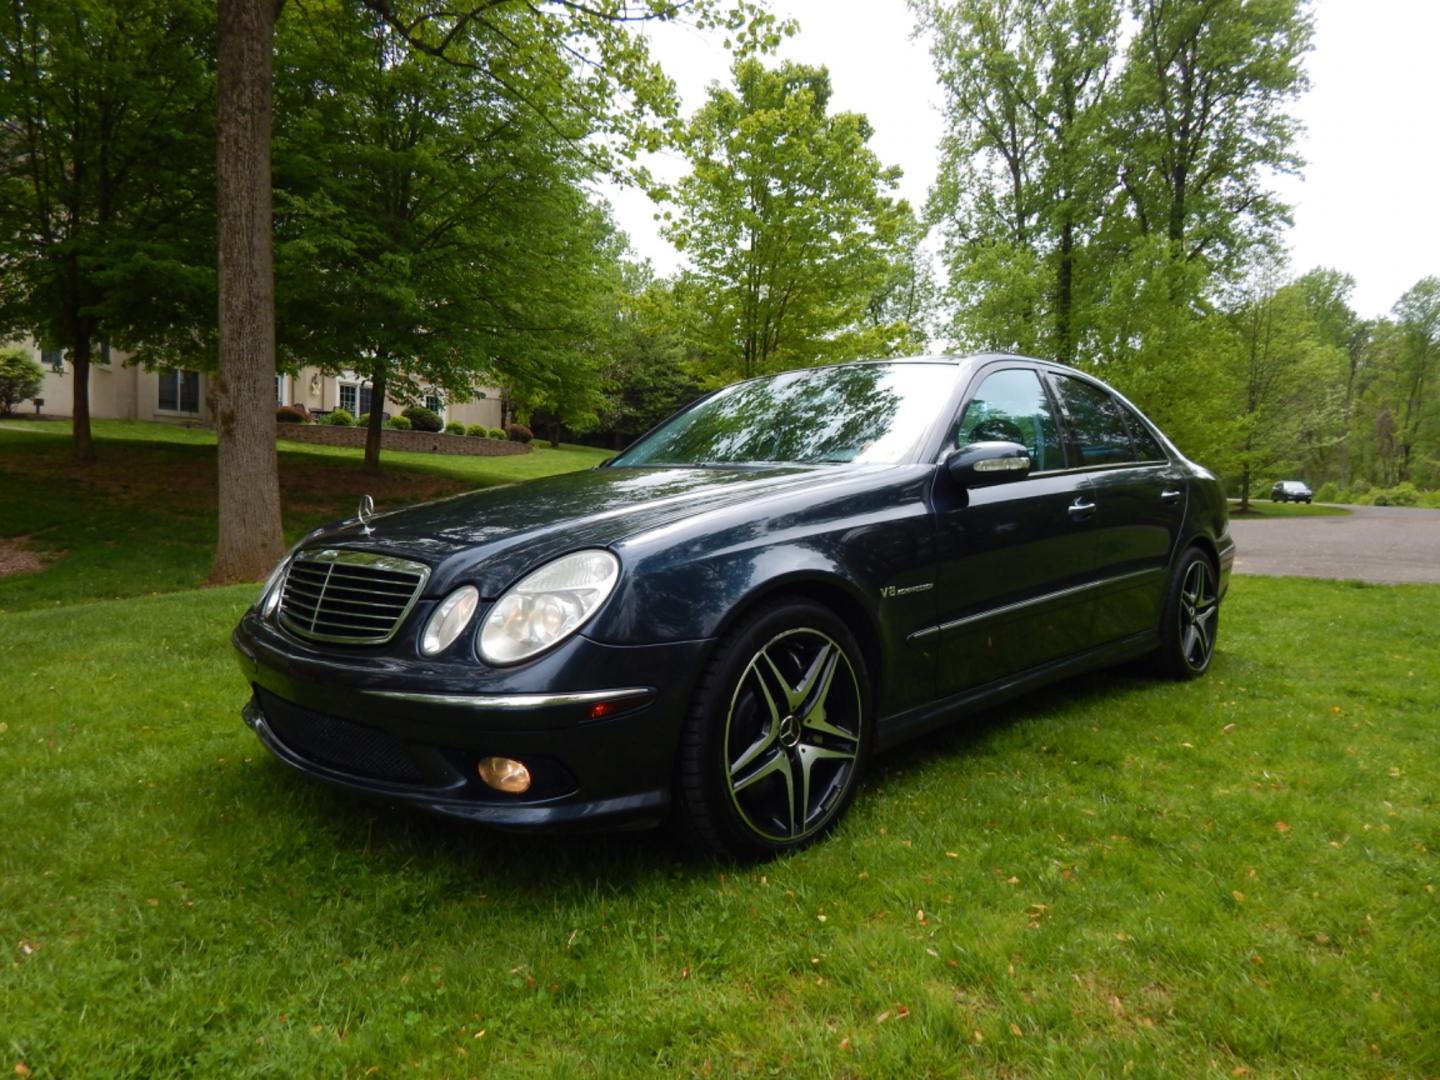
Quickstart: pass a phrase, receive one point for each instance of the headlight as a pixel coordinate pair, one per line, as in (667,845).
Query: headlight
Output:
(269,597)
(547,606)
(452,616)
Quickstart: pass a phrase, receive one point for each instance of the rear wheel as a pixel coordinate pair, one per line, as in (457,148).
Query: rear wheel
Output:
(778,734)
(1191,618)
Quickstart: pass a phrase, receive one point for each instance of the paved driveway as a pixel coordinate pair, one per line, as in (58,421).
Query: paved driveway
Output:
(1375,543)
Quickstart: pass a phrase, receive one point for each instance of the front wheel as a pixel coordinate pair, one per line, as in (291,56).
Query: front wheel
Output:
(1191,618)
(778,734)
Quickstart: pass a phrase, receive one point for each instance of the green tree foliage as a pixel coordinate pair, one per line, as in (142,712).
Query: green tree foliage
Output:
(1026,168)
(1103,178)
(106,124)
(788,222)
(1417,317)
(431,233)
(20,377)
(649,374)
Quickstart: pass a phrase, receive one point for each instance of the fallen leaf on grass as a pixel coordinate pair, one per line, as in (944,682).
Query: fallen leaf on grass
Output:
(21,1069)
(845,1044)
(1239,896)
(1015,1030)
(1240,1070)
(1228,728)
(1256,959)
(1281,827)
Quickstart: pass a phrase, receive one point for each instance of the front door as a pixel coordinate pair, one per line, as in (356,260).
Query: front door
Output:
(1014,560)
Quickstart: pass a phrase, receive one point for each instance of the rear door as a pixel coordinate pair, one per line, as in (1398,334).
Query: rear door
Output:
(1139,503)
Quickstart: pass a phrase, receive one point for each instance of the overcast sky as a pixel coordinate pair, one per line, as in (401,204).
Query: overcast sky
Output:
(1369,202)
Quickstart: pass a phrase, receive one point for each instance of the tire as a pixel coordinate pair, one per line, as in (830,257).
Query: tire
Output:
(1190,621)
(778,734)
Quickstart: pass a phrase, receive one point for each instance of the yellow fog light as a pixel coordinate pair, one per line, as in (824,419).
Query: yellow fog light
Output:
(505,774)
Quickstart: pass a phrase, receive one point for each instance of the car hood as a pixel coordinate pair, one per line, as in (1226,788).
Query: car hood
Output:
(491,537)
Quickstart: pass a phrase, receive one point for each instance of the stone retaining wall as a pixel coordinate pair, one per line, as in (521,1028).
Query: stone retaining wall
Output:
(423,441)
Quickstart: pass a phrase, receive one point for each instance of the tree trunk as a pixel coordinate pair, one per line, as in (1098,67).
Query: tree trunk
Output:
(242,396)
(82,446)
(1064,296)
(1245,491)
(376,422)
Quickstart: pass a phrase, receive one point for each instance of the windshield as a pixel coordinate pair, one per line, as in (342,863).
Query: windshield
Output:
(865,414)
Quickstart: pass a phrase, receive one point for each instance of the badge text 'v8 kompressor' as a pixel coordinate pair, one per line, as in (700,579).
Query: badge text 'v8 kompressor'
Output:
(723,623)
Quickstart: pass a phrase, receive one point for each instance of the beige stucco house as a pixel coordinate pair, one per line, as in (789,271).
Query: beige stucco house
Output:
(124,391)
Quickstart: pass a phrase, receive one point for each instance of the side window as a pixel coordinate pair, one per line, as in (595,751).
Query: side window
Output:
(1146,447)
(1012,405)
(1098,432)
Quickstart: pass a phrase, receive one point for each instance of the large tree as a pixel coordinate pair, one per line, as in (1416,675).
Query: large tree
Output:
(1026,168)
(430,234)
(103,113)
(593,54)
(787,220)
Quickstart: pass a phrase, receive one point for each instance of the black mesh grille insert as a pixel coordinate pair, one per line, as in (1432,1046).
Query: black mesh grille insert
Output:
(338,744)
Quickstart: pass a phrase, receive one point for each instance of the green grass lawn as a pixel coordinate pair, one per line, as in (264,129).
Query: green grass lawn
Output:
(1116,876)
(1264,508)
(142,520)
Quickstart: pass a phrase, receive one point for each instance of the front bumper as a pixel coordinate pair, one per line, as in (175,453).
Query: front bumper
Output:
(413,732)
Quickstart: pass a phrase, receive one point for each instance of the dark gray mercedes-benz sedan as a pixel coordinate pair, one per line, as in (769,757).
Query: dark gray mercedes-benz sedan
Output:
(724,622)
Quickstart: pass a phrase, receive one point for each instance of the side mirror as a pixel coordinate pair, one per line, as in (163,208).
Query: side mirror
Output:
(985,463)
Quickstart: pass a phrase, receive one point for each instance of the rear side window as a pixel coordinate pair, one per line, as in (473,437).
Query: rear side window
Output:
(1146,446)
(1098,432)
(1012,406)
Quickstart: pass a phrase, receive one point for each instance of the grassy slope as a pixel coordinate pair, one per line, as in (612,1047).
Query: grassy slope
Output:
(143,519)
(1118,874)
(1263,508)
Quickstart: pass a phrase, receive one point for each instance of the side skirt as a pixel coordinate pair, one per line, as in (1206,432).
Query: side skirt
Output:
(912,723)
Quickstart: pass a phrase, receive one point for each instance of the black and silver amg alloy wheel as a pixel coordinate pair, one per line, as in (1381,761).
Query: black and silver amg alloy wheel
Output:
(792,735)
(1192,617)
(777,744)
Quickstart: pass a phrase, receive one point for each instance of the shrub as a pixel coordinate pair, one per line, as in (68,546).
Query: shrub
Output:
(477,431)
(519,433)
(1328,492)
(1403,494)
(20,377)
(289,414)
(363,420)
(340,418)
(454,428)
(400,423)
(497,433)
(1359,489)
(423,419)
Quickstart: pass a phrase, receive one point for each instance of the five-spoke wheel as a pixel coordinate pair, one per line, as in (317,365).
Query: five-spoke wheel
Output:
(1192,617)
(779,732)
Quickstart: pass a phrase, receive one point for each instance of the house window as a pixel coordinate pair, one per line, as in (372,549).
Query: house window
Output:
(355,398)
(434,404)
(53,357)
(180,391)
(280,390)
(104,358)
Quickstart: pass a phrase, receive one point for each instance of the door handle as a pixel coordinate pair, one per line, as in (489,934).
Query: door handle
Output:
(1081,511)
(1171,496)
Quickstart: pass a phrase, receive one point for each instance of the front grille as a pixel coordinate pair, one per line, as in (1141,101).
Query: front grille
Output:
(351,597)
(338,744)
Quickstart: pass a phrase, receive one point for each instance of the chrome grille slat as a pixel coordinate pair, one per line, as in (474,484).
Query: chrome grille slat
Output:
(312,597)
(349,597)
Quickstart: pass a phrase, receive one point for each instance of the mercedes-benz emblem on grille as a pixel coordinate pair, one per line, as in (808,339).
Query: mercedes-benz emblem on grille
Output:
(366,512)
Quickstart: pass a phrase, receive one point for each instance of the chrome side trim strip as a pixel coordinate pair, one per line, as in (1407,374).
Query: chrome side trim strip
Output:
(1021,605)
(512,702)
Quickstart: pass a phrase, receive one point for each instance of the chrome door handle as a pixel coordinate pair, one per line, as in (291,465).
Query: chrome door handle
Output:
(1080,511)
(1171,496)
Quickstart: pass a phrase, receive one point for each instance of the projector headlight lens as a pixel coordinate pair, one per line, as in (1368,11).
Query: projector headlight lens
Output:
(449,619)
(547,606)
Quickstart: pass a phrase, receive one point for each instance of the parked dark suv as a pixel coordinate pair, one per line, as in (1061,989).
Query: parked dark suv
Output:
(1290,491)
